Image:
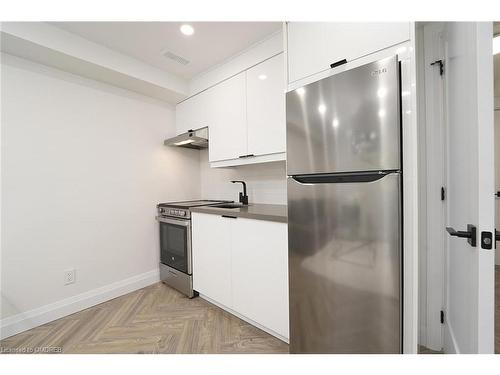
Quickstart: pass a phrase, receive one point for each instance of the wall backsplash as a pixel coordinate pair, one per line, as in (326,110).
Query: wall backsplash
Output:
(266,182)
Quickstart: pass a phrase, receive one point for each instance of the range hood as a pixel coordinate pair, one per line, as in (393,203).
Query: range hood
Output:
(196,139)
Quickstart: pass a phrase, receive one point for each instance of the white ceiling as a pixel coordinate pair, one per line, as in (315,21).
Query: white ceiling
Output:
(212,42)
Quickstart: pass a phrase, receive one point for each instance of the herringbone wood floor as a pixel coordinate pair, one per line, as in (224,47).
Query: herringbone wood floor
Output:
(156,319)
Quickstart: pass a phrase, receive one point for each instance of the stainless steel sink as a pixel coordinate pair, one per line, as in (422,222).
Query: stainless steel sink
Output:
(229,205)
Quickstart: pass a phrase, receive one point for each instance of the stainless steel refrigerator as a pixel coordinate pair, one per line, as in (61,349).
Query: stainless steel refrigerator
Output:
(345,212)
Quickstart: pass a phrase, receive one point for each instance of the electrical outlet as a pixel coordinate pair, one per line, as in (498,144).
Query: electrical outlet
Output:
(69,276)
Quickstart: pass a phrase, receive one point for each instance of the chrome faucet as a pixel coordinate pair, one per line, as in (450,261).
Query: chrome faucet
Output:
(243,196)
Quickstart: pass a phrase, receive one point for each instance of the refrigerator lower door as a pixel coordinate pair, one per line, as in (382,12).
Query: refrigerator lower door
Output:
(345,265)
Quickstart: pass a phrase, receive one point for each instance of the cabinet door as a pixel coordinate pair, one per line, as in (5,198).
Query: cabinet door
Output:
(260,272)
(313,46)
(306,49)
(192,113)
(211,248)
(266,107)
(227,119)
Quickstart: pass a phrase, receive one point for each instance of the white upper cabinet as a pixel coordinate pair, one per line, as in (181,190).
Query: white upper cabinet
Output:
(192,113)
(245,115)
(266,107)
(313,46)
(227,119)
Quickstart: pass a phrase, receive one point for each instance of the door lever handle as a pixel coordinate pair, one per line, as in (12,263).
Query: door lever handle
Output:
(470,234)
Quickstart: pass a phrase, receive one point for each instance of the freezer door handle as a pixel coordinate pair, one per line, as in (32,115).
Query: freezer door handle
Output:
(349,177)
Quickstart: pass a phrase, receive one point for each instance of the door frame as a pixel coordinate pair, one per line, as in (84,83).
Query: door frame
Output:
(485,99)
(432,147)
(435,242)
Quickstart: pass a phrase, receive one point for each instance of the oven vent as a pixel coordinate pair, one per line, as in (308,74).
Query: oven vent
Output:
(178,59)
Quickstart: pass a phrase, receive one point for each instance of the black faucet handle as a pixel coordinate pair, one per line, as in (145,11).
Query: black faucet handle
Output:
(243,199)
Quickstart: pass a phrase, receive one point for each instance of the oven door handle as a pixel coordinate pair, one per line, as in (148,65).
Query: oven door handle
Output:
(184,223)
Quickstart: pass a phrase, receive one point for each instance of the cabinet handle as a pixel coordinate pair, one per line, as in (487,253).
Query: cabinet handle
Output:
(246,156)
(338,63)
(229,217)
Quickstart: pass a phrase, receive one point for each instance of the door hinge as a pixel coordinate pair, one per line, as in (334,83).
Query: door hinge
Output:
(441,66)
(443,193)
(441,316)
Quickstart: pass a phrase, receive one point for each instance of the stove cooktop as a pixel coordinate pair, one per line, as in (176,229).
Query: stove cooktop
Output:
(188,204)
(181,209)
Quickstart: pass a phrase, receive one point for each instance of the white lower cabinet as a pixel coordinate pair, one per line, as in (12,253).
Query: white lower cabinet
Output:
(259,272)
(211,245)
(256,277)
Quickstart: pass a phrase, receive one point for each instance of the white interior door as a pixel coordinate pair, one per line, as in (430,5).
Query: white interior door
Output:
(497,177)
(469,311)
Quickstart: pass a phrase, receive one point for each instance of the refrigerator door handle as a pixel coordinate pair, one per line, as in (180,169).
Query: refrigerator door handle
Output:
(328,178)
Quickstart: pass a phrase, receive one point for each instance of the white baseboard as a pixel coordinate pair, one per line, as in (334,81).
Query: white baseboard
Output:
(248,320)
(15,324)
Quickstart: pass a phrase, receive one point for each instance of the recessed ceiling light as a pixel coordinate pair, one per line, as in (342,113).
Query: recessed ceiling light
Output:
(322,108)
(262,77)
(187,29)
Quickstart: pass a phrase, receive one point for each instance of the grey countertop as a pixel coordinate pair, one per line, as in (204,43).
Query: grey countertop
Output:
(269,212)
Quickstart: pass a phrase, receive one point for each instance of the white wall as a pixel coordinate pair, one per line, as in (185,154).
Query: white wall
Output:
(83,166)
(266,182)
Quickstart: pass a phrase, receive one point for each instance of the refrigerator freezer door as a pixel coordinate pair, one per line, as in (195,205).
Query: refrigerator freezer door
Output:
(344,266)
(347,122)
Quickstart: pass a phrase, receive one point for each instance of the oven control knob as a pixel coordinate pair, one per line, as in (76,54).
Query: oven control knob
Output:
(182,213)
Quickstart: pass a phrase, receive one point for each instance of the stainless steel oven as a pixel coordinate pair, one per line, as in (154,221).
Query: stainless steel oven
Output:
(176,263)
(175,243)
